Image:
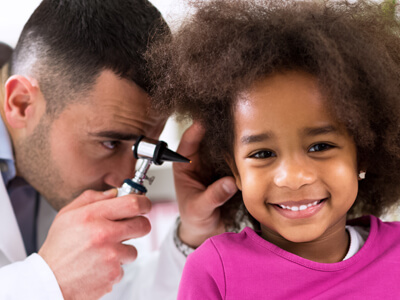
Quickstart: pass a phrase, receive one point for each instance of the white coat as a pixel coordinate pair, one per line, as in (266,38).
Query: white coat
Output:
(22,277)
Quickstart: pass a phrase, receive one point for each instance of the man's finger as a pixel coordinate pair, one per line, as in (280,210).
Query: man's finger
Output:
(90,196)
(128,253)
(123,207)
(191,139)
(220,191)
(131,228)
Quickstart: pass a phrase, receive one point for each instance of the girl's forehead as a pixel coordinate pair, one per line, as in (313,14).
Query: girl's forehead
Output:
(287,99)
(291,87)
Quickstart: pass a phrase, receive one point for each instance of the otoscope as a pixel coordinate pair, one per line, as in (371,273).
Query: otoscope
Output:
(150,151)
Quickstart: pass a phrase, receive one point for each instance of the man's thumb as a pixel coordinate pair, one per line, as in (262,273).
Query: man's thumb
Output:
(222,190)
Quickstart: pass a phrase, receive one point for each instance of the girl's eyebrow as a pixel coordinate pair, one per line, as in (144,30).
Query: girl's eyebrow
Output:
(256,138)
(115,135)
(309,131)
(314,131)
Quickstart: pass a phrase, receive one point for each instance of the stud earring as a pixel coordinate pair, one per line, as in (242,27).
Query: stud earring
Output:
(361,175)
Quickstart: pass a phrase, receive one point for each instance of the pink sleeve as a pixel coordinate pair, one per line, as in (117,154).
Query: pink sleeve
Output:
(203,275)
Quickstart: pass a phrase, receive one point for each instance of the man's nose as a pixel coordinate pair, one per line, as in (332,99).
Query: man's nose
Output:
(294,173)
(123,168)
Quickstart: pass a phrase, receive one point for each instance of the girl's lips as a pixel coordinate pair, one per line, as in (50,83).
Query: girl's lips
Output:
(301,205)
(301,209)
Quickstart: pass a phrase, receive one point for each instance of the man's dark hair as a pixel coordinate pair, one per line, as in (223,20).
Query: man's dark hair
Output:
(67,43)
(5,53)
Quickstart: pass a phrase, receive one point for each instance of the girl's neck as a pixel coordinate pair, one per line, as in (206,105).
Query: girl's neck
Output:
(329,248)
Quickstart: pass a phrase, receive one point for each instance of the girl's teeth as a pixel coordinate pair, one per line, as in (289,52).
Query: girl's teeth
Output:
(298,208)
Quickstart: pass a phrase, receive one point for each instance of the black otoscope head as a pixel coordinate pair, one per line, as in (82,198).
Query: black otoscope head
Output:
(156,151)
(151,151)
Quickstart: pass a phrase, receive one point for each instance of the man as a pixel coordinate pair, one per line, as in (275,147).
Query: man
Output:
(73,101)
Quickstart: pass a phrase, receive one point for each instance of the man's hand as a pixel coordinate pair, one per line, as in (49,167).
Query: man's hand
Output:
(84,246)
(198,204)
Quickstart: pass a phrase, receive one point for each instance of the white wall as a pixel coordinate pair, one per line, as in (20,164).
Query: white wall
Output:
(13,15)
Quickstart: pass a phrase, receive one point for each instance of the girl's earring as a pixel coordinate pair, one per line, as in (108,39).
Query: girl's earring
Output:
(361,175)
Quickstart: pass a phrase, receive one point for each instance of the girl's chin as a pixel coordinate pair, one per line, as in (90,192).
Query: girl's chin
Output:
(296,235)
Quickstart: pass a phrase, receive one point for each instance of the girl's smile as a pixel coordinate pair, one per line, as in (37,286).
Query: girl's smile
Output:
(299,209)
(295,164)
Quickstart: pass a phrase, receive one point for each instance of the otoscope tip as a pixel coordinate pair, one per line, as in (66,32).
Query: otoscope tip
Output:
(169,155)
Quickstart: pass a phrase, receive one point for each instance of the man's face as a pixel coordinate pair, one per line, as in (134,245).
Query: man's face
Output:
(88,146)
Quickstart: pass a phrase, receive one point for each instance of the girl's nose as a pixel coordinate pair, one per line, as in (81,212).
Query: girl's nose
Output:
(294,174)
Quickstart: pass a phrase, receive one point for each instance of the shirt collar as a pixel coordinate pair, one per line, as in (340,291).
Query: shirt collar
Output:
(6,152)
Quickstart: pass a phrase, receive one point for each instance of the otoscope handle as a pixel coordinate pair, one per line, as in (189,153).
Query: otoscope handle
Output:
(135,185)
(131,187)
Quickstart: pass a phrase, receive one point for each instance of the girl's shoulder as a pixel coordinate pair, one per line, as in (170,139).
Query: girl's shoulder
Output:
(380,231)
(228,242)
(375,224)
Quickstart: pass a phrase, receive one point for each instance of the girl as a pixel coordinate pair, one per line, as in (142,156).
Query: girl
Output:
(300,102)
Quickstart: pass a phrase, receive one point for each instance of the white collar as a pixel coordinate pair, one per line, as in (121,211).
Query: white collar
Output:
(358,236)
(5,143)
(7,162)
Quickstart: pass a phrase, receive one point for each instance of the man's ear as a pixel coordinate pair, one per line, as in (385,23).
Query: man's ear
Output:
(232,165)
(21,96)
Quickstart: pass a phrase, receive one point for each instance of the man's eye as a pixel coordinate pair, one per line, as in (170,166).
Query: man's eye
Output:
(320,147)
(263,154)
(110,144)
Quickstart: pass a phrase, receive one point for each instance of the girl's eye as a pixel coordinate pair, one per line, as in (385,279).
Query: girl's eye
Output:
(110,144)
(320,147)
(263,154)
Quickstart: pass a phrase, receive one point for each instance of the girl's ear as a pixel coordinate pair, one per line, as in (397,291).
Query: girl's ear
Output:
(232,165)
(362,170)
(21,97)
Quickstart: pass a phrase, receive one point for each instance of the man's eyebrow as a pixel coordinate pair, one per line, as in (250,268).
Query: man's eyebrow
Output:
(256,138)
(314,131)
(115,135)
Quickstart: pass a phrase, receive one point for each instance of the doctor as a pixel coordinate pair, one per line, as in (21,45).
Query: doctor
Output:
(72,101)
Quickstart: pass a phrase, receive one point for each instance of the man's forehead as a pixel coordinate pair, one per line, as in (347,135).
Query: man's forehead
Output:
(118,105)
(110,83)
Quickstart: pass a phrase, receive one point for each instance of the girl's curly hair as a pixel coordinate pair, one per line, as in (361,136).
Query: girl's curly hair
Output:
(353,49)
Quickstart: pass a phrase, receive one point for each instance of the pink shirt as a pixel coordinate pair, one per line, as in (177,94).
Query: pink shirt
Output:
(245,266)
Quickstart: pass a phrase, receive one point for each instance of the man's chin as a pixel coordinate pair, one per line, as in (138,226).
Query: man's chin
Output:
(58,201)
(57,204)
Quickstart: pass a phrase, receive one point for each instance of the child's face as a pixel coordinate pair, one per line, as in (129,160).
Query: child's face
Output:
(296,166)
